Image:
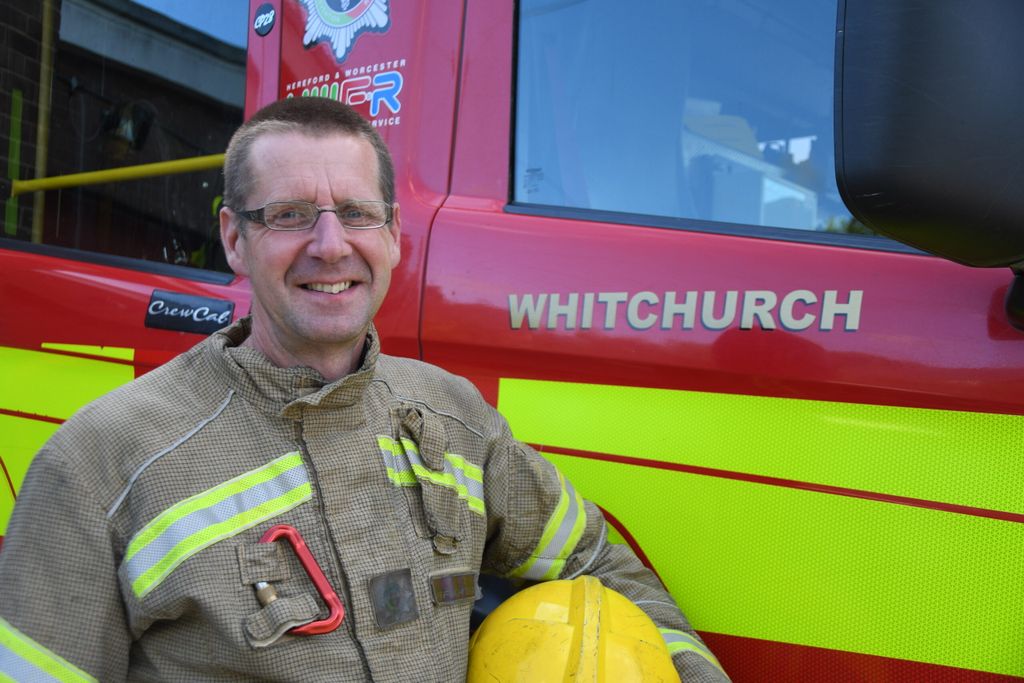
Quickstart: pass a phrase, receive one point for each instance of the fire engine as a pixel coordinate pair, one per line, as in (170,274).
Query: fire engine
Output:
(622,223)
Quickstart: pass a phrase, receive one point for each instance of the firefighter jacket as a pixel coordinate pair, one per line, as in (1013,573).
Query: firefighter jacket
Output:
(134,548)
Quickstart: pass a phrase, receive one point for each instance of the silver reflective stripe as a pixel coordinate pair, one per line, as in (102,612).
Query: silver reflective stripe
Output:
(562,532)
(681,641)
(405,467)
(469,478)
(22,659)
(211,516)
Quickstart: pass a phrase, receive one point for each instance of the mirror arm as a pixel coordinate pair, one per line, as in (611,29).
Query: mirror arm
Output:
(1015,298)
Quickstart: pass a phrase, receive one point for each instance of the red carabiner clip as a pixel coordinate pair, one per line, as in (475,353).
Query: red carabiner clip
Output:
(316,575)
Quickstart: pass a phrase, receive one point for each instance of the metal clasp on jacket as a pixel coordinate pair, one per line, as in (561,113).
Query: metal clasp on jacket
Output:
(266,593)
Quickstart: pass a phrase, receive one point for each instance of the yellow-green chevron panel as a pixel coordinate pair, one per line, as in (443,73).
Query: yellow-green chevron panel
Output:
(829,571)
(801,566)
(951,456)
(51,385)
(55,385)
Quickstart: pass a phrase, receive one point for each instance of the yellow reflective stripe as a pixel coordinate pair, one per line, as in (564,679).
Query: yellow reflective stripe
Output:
(405,468)
(23,659)
(681,641)
(470,481)
(114,352)
(55,385)
(221,512)
(469,469)
(562,532)
(398,468)
(403,478)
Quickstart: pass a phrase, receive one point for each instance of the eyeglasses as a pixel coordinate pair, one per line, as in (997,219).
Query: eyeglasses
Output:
(357,214)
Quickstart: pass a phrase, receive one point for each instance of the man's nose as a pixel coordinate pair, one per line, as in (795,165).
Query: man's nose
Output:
(330,240)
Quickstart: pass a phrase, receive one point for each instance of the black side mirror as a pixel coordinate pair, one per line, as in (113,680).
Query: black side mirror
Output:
(929,124)
(929,127)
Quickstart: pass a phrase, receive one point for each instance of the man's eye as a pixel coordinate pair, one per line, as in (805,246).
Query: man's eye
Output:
(287,214)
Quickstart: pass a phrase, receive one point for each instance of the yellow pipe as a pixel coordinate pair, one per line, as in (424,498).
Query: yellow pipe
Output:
(43,116)
(114,175)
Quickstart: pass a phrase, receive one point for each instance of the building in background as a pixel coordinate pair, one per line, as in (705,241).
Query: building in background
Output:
(120,84)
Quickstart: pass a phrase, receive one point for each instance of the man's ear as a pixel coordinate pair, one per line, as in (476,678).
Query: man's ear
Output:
(233,240)
(395,228)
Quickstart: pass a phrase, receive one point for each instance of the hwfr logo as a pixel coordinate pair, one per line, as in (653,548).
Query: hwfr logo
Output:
(382,89)
(341,21)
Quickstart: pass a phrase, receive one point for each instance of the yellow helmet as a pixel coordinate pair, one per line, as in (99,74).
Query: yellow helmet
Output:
(568,631)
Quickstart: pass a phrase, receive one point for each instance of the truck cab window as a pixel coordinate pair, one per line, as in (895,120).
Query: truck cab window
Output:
(715,110)
(132,82)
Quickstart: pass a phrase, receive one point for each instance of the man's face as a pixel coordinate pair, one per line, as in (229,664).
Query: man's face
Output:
(297,314)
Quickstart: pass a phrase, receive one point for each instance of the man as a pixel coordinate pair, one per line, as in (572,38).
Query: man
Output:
(147,542)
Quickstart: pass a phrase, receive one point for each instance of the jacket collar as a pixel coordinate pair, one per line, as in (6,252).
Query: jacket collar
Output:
(286,392)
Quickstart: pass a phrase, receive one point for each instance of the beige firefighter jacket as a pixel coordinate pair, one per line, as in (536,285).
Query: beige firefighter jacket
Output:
(133,551)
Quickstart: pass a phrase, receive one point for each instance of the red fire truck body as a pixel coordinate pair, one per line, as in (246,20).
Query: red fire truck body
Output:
(812,439)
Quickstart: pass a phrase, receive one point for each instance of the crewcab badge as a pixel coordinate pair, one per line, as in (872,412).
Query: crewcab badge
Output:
(187,312)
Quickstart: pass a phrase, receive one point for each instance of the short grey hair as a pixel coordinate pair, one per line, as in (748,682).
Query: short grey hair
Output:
(313,116)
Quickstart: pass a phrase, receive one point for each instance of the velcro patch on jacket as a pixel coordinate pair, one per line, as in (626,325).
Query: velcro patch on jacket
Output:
(454,587)
(224,511)
(405,467)
(393,598)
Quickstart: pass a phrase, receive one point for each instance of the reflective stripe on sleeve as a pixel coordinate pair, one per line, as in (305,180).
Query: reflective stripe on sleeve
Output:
(681,641)
(22,659)
(561,534)
(405,468)
(224,511)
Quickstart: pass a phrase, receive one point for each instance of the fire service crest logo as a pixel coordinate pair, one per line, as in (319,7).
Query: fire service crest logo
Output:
(341,21)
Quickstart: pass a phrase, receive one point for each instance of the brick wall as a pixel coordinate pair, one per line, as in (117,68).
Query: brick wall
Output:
(21,27)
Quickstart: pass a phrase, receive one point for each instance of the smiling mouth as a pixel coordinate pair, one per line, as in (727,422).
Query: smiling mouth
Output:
(328,288)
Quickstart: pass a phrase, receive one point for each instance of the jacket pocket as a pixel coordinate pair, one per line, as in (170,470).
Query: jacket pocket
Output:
(440,488)
(265,567)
